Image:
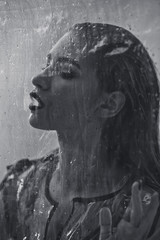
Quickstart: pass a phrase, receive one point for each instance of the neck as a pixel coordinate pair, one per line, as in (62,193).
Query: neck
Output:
(83,174)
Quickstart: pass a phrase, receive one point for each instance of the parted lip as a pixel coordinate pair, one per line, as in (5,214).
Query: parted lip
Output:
(35,95)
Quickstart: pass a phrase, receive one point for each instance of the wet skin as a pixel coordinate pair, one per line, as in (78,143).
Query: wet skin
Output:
(67,88)
(69,91)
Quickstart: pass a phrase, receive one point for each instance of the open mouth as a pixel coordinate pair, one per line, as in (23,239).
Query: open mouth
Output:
(36,102)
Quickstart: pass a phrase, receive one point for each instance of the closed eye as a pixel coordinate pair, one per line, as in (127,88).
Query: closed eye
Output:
(67,75)
(67,70)
(65,67)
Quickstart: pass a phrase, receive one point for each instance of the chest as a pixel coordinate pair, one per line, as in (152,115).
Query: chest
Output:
(40,216)
(43,214)
(76,221)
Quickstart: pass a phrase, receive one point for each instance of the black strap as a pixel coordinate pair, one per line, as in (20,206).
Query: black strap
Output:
(101,198)
(96,199)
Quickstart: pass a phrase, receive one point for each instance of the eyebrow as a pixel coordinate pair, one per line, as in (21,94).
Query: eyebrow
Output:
(65,59)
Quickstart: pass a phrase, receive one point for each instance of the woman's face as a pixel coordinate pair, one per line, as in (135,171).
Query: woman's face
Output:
(67,89)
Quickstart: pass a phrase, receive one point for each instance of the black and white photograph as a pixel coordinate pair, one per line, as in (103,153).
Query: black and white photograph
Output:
(79,119)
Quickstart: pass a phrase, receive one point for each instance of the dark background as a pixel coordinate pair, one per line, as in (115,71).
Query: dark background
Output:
(28,29)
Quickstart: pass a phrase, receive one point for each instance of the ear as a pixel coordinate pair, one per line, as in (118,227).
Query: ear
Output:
(112,104)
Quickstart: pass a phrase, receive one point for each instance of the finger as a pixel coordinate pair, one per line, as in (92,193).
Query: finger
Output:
(126,231)
(136,205)
(105,222)
(150,215)
(127,214)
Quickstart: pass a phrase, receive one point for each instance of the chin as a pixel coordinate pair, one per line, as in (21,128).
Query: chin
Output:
(39,122)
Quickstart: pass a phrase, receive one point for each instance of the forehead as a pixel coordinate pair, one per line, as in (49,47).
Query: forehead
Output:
(69,46)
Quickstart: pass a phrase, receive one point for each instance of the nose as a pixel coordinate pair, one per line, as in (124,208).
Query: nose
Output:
(42,81)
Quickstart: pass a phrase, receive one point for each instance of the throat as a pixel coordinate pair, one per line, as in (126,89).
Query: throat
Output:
(77,182)
(83,172)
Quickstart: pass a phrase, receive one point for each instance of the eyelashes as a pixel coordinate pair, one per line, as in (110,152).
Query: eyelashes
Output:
(64,70)
(67,75)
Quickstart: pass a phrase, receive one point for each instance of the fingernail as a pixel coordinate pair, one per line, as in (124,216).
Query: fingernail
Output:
(140,184)
(105,216)
(155,194)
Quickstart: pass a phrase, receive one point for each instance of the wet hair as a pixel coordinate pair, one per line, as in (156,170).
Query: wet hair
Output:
(130,139)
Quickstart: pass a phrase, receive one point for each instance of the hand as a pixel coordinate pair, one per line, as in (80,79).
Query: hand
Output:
(136,222)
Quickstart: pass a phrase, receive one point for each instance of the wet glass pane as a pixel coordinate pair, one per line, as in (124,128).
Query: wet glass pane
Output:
(28,30)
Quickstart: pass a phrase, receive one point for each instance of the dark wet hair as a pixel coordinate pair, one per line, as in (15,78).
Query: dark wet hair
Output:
(123,64)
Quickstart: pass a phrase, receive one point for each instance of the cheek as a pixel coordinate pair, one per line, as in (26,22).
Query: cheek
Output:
(71,102)
(86,97)
(62,108)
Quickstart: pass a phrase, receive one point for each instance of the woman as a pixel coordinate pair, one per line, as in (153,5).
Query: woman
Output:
(100,92)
